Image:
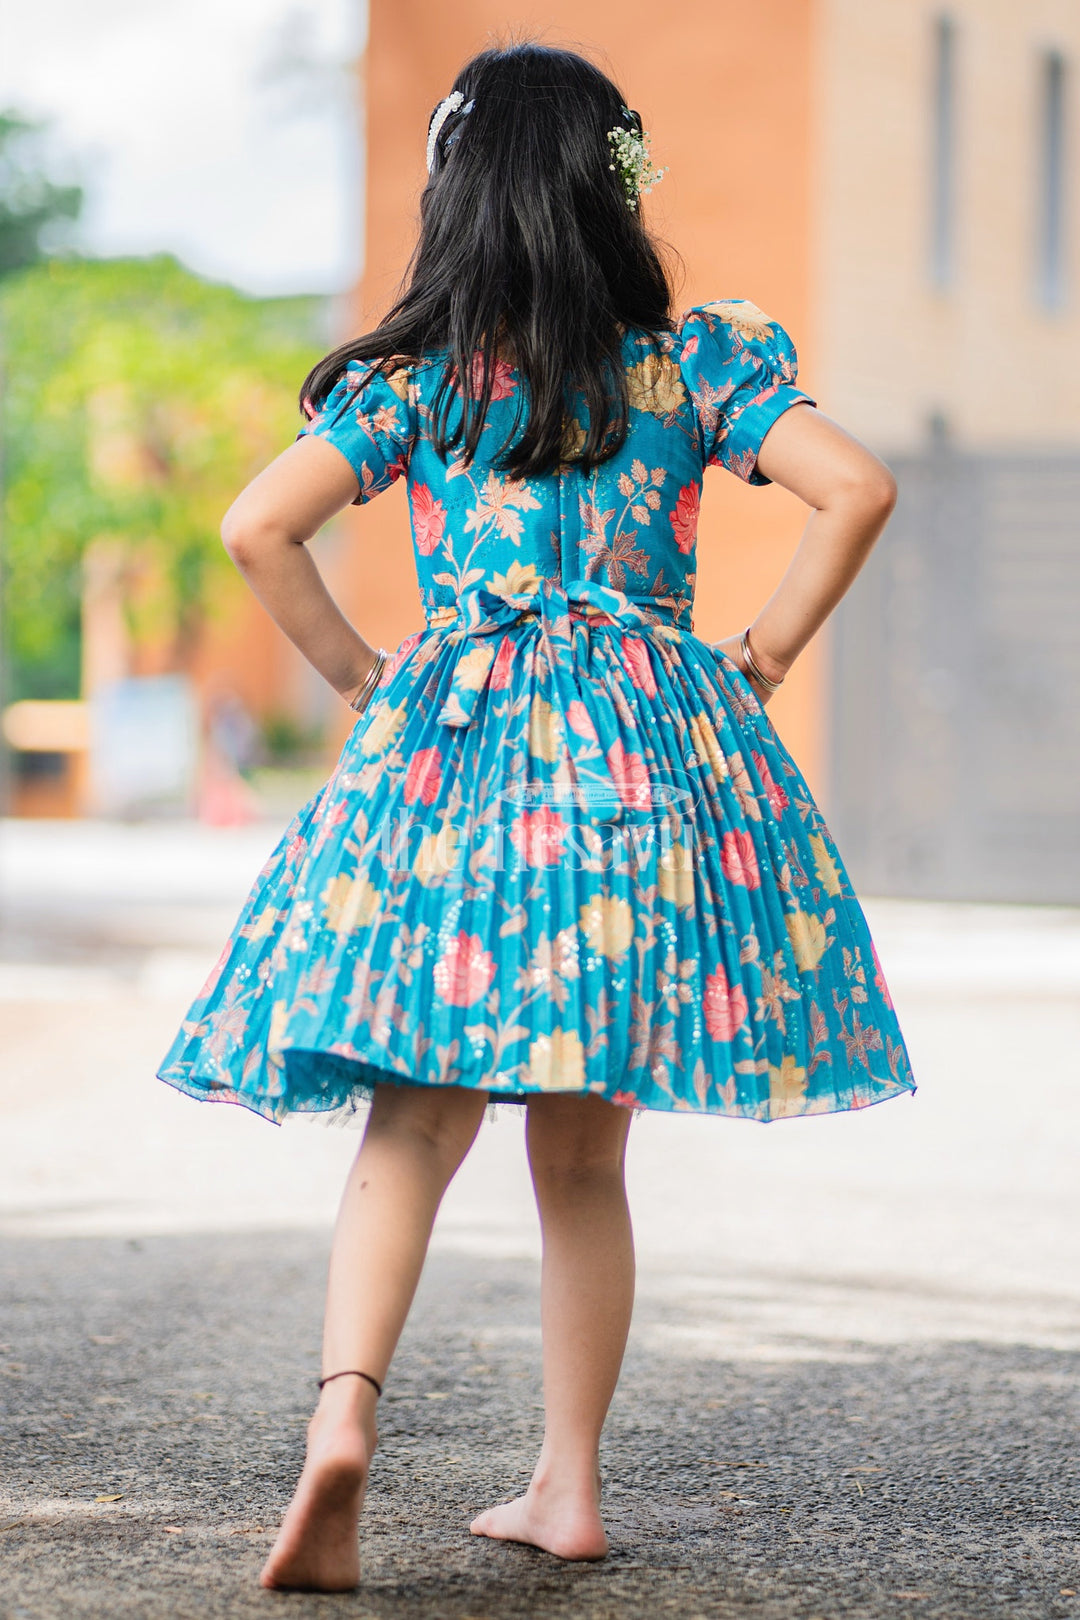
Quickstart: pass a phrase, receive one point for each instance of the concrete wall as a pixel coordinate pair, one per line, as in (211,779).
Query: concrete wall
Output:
(889,347)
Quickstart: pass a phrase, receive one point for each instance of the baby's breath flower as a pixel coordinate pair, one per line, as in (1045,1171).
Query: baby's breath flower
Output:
(633,162)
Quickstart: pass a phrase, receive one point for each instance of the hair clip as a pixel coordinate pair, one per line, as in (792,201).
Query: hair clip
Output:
(446,106)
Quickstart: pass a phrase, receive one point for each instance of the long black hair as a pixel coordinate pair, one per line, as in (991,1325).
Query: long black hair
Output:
(527,250)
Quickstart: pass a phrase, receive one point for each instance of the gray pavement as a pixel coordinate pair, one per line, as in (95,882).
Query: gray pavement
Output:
(175,1374)
(851,1385)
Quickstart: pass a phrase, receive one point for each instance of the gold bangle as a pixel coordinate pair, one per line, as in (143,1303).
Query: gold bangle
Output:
(370,682)
(752,667)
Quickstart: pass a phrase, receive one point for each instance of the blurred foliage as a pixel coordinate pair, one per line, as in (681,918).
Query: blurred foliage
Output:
(139,400)
(34,210)
(285,741)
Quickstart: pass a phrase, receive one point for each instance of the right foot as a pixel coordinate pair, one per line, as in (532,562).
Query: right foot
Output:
(567,1525)
(316,1548)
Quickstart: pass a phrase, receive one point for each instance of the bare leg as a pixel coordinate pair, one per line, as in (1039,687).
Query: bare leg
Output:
(577,1147)
(415,1140)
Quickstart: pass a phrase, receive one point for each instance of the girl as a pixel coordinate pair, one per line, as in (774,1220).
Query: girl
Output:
(564,859)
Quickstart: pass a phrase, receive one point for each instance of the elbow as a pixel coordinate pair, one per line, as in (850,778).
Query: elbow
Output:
(245,539)
(236,538)
(870,491)
(882,490)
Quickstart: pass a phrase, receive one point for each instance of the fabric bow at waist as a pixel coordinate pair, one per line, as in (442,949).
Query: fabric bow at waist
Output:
(608,772)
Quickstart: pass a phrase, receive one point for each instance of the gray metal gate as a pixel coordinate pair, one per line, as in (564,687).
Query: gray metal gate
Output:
(954,753)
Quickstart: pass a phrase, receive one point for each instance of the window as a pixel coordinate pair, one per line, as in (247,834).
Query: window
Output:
(1051,182)
(943,154)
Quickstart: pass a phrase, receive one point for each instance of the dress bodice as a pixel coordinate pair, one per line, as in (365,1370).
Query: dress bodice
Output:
(703,395)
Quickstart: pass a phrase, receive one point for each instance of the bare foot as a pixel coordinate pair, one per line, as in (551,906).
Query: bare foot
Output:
(317,1548)
(566,1523)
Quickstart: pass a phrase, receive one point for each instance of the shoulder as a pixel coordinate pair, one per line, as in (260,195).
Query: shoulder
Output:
(740,329)
(367,388)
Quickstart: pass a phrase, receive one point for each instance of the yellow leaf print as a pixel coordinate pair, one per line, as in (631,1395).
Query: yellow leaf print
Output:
(808,938)
(519,577)
(744,788)
(471,669)
(262,926)
(545,731)
(573,439)
(787,1088)
(826,866)
(350,902)
(384,727)
(675,874)
(437,855)
(654,385)
(704,742)
(746,318)
(557,1061)
(399,381)
(608,925)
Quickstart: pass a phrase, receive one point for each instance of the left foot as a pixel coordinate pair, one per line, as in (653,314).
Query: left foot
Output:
(316,1548)
(567,1524)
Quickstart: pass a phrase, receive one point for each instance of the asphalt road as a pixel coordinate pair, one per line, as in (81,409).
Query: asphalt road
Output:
(174,1374)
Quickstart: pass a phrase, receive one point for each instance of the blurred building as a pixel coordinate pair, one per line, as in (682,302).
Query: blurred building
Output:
(897,184)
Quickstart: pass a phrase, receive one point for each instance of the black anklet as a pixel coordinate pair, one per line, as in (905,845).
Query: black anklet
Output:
(350,1373)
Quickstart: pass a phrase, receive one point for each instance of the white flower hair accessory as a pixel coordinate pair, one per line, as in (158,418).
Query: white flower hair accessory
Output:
(449,104)
(630,149)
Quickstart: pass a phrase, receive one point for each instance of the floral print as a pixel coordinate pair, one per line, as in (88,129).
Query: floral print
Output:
(564,848)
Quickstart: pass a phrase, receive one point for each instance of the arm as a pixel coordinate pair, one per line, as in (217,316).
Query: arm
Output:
(265,532)
(852,492)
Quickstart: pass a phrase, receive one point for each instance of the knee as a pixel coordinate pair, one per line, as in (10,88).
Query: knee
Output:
(434,1125)
(569,1164)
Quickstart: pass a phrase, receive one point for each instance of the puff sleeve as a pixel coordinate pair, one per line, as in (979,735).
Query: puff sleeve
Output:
(370,417)
(740,369)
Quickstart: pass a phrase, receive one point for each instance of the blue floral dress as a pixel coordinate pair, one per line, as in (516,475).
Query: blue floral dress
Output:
(563,848)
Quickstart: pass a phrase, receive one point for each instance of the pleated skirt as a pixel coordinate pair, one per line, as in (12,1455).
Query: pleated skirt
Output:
(671,927)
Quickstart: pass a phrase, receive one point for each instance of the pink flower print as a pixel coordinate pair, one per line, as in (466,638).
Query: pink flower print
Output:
(215,973)
(690,347)
(429,519)
(580,720)
(738,859)
(309,407)
(685,516)
(879,977)
(295,850)
(631,776)
(778,799)
(327,824)
(538,837)
(725,1008)
(396,659)
(499,678)
(502,378)
(464,971)
(423,777)
(638,665)
(385,420)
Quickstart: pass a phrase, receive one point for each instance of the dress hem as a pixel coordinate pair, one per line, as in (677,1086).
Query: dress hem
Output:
(343,1106)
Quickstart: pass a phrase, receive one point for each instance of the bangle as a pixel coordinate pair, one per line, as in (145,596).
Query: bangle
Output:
(751,665)
(370,682)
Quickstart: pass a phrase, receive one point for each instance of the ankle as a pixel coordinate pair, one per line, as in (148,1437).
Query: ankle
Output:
(347,1403)
(567,1477)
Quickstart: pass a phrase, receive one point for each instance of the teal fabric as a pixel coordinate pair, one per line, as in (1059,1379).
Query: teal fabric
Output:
(564,848)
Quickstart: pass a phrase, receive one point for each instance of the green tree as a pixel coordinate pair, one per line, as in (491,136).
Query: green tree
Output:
(33,209)
(140,398)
